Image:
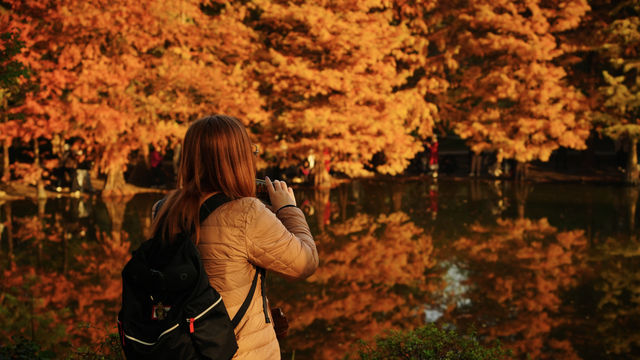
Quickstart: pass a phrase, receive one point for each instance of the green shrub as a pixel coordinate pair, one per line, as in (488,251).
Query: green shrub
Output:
(108,349)
(23,349)
(429,342)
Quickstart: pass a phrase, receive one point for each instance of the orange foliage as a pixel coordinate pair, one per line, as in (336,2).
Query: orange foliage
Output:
(124,74)
(513,98)
(334,78)
(362,81)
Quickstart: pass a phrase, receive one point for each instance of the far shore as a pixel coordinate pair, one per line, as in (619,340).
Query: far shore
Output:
(17,190)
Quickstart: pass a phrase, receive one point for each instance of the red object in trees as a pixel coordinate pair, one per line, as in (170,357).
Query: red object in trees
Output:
(433,153)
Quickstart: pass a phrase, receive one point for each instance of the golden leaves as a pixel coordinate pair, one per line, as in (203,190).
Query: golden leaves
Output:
(518,101)
(334,73)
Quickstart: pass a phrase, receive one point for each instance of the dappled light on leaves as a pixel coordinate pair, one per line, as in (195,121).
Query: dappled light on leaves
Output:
(123,75)
(332,74)
(513,98)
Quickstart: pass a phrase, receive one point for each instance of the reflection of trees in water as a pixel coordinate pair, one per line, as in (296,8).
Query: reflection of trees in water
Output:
(518,270)
(372,276)
(631,202)
(7,222)
(617,286)
(116,207)
(377,271)
(77,308)
(61,287)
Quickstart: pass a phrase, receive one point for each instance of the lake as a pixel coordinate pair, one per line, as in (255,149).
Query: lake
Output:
(551,270)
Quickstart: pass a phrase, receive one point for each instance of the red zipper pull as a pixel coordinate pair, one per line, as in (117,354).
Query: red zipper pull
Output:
(191,329)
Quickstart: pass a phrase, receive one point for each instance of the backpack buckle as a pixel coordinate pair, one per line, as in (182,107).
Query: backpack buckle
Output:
(159,311)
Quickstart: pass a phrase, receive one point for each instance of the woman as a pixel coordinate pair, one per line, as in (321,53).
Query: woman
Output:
(243,233)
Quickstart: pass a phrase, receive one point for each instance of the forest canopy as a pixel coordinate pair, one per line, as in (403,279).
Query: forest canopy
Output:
(360,87)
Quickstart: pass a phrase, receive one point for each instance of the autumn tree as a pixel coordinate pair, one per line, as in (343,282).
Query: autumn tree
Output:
(11,71)
(172,64)
(123,75)
(40,113)
(335,85)
(510,94)
(620,108)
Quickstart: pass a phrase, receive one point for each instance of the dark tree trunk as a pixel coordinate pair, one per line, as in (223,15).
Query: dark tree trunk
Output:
(6,174)
(176,159)
(632,201)
(521,194)
(144,150)
(40,193)
(632,162)
(522,168)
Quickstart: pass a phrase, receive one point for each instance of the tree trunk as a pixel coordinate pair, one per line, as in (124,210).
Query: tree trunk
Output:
(521,194)
(176,159)
(40,193)
(521,171)
(6,173)
(144,150)
(343,199)
(115,183)
(632,201)
(323,207)
(632,162)
(397,191)
(321,176)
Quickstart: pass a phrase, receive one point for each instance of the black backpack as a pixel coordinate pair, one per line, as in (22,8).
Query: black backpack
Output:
(169,310)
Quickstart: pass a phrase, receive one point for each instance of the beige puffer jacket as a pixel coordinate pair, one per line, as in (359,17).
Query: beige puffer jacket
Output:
(243,233)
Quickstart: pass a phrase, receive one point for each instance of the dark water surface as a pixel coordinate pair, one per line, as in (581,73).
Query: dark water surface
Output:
(550,270)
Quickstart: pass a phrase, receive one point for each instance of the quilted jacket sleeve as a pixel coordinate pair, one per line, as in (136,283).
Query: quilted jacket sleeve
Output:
(283,244)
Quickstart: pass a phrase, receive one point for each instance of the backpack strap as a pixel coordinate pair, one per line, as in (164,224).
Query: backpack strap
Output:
(211,204)
(206,209)
(265,308)
(247,301)
(156,207)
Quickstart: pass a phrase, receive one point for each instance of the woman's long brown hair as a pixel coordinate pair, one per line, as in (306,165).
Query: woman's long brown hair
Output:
(216,156)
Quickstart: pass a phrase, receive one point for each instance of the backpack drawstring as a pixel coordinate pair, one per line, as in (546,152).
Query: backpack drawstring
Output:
(263,286)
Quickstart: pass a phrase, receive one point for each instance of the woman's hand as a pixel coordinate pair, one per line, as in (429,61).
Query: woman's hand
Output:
(279,194)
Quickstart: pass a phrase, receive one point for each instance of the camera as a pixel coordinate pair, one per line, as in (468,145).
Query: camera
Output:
(261,191)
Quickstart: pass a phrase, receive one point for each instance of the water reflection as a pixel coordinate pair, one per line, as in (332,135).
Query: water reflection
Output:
(375,274)
(519,269)
(550,270)
(61,284)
